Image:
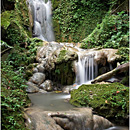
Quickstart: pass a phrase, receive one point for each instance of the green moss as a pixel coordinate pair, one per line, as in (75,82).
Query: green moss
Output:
(15,24)
(61,56)
(30,66)
(125,80)
(6,18)
(63,73)
(28,74)
(56,27)
(108,100)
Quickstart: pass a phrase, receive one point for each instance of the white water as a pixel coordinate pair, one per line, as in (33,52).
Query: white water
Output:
(86,69)
(42,19)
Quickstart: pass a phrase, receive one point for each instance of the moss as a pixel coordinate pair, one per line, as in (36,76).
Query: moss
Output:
(15,24)
(125,80)
(56,27)
(108,100)
(28,74)
(56,3)
(6,18)
(61,56)
(63,73)
(124,54)
(30,66)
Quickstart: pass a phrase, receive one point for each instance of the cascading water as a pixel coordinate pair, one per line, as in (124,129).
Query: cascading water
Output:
(86,69)
(41,12)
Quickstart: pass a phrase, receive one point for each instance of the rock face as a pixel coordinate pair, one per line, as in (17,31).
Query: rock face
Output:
(39,120)
(78,119)
(74,120)
(56,62)
(101,123)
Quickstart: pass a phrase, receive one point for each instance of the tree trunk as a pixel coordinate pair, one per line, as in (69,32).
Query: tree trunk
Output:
(108,75)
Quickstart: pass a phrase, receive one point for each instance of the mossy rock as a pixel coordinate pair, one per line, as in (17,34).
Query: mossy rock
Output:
(125,80)
(63,73)
(108,100)
(65,56)
(6,18)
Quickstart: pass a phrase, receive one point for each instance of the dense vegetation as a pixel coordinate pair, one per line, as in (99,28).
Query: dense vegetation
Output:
(18,53)
(113,32)
(13,96)
(75,19)
(109,100)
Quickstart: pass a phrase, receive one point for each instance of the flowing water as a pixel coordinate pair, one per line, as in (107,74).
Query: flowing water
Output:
(42,19)
(86,66)
(86,69)
(51,101)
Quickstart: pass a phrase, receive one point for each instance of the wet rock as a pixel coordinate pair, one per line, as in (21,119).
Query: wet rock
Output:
(101,123)
(46,50)
(37,78)
(39,120)
(47,85)
(42,91)
(106,55)
(77,119)
(40,68)
(35,70)
(32,88)
(67,89)
(80,119)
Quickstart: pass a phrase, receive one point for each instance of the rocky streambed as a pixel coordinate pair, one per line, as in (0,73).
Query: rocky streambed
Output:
(56,71)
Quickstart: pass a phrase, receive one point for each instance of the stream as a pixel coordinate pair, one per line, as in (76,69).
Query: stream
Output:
(51,101)
(56,102)
(87,70)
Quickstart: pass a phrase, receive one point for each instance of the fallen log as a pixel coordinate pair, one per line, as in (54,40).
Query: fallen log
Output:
(108,75)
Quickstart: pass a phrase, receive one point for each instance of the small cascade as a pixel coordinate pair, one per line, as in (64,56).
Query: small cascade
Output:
(86,69)
(42,19)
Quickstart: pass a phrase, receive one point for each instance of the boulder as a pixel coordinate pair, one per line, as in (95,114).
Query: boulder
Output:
(106,55)
(101,123)
(67,89)
(80,119)
(47,85)
(37,78)
(38,120)
(46,50)
(40,68)
(42,91)
(35,70)
(32,88)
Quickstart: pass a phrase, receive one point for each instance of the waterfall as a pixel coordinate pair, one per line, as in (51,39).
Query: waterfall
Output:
(42,19)
(86,69)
